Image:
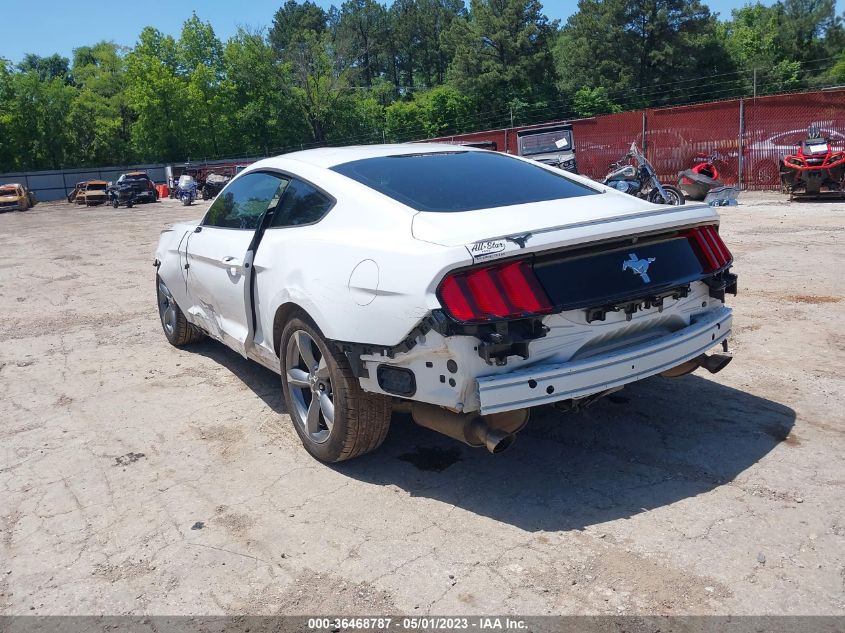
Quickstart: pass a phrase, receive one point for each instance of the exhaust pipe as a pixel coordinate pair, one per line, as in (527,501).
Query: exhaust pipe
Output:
(714,363)
(494,432)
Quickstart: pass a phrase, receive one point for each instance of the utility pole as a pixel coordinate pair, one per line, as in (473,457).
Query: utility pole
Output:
(511,116)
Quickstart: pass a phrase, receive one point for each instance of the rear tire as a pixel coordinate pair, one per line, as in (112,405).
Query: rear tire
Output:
(335,419)
(176,327)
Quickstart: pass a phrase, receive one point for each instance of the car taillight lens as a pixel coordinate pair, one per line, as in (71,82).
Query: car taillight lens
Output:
(709,247)
(504,291)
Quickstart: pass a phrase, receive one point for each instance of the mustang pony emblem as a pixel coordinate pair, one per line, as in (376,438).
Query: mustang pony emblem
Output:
(639,266)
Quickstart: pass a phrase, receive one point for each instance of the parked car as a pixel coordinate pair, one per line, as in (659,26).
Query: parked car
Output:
(462,285)
(16,197)
(131,188)
(89,192)
(552,145)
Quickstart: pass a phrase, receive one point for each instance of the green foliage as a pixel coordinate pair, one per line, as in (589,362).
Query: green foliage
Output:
(292,20)
(370,70)
(589,102)
(643,51)
(437,112)
(501,52)
(360,36)
(47,68)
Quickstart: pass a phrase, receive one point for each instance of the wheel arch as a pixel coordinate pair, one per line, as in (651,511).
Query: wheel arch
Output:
(282,316)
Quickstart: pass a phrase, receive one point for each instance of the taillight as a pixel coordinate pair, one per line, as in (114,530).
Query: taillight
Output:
(504,291)
(709,247)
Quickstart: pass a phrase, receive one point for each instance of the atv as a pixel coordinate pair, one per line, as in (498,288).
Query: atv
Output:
(815,169)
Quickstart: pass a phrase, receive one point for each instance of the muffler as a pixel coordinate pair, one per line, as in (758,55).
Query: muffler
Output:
(494,432)
(714,363)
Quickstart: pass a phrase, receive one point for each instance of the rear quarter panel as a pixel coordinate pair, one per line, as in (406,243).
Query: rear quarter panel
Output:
(365,233)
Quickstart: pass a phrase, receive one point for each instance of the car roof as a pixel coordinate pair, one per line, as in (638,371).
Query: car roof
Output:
(327,157)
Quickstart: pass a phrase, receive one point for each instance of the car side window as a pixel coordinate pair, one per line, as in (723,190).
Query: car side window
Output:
(242,204)
(301,204)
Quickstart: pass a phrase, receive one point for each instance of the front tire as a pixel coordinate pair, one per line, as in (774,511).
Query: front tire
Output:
(176,327)
(675,196)
(335,419)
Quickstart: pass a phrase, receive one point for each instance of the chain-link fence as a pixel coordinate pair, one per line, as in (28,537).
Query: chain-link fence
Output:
(741,135)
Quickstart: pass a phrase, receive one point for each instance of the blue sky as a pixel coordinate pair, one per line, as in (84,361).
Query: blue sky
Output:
(49,26)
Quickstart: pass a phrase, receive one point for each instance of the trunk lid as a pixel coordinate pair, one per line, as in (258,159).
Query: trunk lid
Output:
(490,234)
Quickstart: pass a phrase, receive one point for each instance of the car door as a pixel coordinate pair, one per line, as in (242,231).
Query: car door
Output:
(219,257)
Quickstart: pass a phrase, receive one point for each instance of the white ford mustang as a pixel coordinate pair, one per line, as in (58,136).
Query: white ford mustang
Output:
(462,285)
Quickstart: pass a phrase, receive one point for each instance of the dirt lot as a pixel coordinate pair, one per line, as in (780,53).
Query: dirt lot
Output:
(138,478)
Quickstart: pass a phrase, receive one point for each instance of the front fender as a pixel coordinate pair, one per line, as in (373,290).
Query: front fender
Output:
(170,255)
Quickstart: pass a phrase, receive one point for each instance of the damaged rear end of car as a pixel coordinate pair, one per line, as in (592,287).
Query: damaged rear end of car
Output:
(557,314)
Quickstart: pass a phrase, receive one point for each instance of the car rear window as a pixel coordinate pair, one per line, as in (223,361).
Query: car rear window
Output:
(461,181)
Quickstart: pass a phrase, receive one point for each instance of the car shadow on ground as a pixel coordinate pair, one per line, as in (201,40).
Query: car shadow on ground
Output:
(657,442)
(263,382)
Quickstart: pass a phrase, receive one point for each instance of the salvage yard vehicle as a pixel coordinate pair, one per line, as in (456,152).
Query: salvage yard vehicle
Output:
(89,192)
(213,185)
(462,285)
(697,181)
(16,197)
(641,179)
(814,169)
(186,189)
(551,145)
(131,188)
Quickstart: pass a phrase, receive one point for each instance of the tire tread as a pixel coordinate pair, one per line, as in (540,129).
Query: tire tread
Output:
(366,416)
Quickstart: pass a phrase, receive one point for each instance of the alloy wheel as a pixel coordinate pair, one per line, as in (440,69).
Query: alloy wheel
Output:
(166,308)
(309,383)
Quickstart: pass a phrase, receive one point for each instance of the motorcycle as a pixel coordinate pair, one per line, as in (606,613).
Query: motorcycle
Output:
(814,167)
(186,189)
(641,180)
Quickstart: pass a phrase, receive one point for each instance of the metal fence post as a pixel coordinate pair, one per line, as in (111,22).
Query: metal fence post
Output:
(741,142)
(645,131)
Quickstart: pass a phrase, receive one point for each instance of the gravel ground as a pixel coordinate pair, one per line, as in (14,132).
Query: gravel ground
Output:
(136,478)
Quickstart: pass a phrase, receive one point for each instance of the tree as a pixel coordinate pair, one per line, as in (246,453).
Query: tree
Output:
(318,87)
(99,119)
(649,51)
(360,38)
(200,59)
(260,100)
(589,102)
(292,20)
(502,52)
(156,93)
(34,114)
(53,67)
(788,44)
(199,46)
(436,112)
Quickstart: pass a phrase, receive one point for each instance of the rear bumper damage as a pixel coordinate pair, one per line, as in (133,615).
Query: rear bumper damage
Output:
(549,383)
